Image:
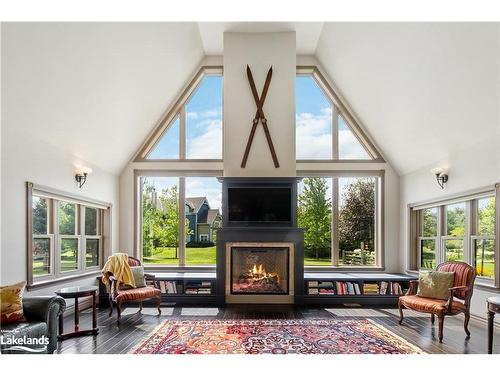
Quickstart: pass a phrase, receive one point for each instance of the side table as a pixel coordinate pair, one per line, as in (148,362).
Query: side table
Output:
(78,292)
(493,308)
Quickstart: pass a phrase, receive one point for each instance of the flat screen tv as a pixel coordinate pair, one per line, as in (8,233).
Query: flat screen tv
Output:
(254,205)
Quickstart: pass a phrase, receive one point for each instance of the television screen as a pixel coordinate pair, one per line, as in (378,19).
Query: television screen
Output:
(259,204)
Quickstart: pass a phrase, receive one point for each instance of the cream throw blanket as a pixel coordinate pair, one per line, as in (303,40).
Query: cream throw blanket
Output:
(117,265)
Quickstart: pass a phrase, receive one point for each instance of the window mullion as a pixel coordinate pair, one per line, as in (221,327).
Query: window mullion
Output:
(335,133)
(182,133)
(335,222)
(440,253)
(182,221)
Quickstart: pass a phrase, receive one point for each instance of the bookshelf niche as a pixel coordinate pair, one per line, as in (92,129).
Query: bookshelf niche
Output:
(354,288)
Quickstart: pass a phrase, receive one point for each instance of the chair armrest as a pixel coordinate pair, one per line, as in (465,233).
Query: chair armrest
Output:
(412,290)
(43,309)
(449,303)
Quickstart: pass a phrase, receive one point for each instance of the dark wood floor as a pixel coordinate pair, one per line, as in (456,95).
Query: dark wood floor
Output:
(134,327)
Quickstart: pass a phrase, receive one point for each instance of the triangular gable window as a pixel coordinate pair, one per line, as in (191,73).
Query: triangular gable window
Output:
(192,128)
(349,146)
(325,129)
(167,146)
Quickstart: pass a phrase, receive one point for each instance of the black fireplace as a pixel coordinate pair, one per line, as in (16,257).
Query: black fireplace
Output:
(260,249)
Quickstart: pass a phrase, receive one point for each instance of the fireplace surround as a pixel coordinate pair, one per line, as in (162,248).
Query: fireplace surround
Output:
(260,262)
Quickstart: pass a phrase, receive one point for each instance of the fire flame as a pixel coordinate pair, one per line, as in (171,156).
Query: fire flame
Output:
(258,272)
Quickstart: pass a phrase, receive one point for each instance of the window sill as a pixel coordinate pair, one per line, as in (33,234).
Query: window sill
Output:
(61,280)
(479,283)
(173,268)
(343,268)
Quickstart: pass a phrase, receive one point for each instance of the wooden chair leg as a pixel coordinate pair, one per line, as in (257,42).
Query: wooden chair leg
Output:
(432,319)
(400,313)
(110,307)
(140,307)
(441,325)
(119,310)
(158,305)
(466,324)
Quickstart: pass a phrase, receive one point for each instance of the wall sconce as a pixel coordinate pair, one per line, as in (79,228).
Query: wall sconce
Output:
(441,176)
(81,176)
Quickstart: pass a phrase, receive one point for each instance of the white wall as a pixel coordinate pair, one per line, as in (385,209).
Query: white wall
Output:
(469,169)
(260,51)
(27,157)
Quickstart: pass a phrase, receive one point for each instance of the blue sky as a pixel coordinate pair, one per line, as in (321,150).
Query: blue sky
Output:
(203,125)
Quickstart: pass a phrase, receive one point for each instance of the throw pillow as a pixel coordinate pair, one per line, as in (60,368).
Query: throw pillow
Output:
(11,298)
(138,272)
(435,284)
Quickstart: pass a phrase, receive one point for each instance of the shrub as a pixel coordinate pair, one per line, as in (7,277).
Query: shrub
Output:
(200,244)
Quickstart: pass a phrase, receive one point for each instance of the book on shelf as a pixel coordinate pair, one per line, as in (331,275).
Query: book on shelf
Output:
(206,283)
(191,291)
(325,284)
(313,291)
(326,291)
(312,284)
(163,288)
(204,291)
(356,288)
(383,287)
(371,288)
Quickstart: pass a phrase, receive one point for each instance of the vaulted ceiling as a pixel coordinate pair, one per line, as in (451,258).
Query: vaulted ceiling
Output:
(422,91)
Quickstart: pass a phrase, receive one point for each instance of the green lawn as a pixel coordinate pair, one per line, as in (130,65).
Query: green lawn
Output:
(194,255)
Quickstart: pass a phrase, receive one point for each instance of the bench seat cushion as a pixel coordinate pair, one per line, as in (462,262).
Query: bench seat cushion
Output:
(430,305)
(137,294)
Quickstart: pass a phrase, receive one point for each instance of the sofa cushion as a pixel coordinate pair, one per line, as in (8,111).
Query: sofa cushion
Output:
(137,294)
(435,284)
(11,298)
(430,305)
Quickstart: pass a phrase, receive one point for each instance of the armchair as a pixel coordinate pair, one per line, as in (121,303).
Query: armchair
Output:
(118,296)
(457,302)
(42,314)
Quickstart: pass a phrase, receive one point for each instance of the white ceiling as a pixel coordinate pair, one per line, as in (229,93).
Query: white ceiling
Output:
(307,33)
(421,90)
(95,89)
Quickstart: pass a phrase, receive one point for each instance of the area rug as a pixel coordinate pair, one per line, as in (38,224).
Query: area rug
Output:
(332,336)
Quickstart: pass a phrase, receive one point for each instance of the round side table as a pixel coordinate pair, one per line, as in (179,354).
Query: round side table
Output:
(78,292)
(493,308)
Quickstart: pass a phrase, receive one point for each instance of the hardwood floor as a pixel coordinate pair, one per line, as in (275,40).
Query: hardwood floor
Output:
(134,327)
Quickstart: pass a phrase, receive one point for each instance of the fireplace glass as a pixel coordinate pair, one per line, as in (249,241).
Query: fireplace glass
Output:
(259,270)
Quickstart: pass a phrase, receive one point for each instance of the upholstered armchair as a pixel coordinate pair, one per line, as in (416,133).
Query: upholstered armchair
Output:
(119,296)
(458,301)
(42,316)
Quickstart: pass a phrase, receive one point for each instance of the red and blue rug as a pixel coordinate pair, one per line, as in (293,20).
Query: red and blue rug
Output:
(332,336)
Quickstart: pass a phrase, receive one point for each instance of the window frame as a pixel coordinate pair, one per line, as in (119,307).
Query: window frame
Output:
(339,108)
(415,215)
(379,219)
(138,240)
(179,110)
(54,197)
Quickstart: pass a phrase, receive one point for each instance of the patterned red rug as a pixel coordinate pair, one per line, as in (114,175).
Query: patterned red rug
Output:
(349,336)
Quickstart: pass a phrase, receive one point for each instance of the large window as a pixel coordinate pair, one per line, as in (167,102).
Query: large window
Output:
(340,218)
(461,230)
(192,130)
(325,130)
(65,237)
(180,216)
